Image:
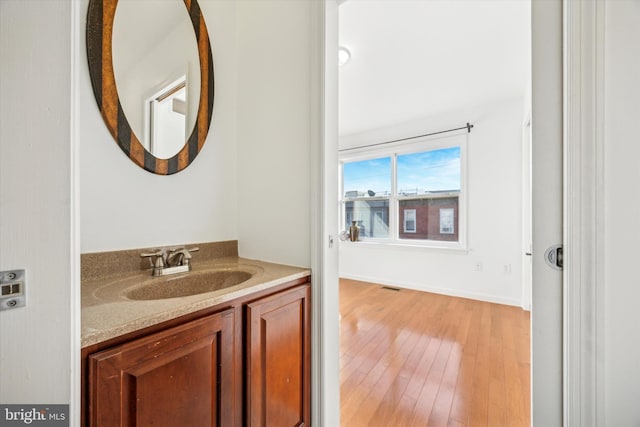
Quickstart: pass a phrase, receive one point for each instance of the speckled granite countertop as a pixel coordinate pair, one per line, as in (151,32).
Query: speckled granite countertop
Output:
(108,313)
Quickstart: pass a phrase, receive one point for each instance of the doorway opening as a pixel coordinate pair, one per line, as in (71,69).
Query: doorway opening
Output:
(417,68)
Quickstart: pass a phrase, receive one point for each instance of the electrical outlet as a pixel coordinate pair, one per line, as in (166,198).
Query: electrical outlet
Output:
(507,269)
(478,266)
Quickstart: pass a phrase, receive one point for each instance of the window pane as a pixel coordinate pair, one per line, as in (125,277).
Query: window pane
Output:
(429,171)
(367,178)
(371,216)
(435,218)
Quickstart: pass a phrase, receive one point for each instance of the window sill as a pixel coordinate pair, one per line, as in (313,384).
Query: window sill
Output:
(380,244)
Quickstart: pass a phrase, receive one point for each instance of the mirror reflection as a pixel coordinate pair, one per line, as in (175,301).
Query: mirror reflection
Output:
(157,72)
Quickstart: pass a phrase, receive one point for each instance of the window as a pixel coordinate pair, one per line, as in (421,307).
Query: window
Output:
(367,185)
(409,220)
(411,195)
(447,224)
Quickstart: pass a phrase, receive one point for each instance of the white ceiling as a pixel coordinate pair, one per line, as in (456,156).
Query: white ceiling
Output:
(412,59)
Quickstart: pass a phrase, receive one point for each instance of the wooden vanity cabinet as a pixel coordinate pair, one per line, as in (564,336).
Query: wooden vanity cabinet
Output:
(182,376)
(278,339)
(246,362)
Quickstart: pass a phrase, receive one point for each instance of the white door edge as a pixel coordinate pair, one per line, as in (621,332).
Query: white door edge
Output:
(325,394)
(526,214)
(547,203)
(584,213)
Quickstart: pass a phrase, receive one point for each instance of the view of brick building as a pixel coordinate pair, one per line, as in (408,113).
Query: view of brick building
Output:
(429,219)
(426,218)
(371,216)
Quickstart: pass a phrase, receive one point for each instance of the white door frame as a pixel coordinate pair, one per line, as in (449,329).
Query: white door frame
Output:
(526,247)
(75,364)
(325,399)
(582,401)
(583,393)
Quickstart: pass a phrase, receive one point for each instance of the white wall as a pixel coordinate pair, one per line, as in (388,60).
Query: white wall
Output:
(35,198)
(251,180)
(622,213)
(274,87)
(494,214)
(124,206)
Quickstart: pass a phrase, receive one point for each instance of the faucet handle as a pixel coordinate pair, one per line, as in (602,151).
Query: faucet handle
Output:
(182,249)
(187,252)
(159,258)
(150,254)
(186,256)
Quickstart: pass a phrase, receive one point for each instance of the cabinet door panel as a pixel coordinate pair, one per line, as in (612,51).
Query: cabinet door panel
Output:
(278,359)
(178,377)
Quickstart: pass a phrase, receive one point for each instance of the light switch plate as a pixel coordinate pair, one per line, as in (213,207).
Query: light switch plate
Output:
(12,289)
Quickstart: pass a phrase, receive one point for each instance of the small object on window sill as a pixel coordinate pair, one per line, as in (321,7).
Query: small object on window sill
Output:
(354,232)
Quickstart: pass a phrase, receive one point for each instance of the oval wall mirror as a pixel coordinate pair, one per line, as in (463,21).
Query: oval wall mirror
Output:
(151,70)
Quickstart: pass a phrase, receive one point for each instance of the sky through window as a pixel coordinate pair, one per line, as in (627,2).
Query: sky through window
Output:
(417,173)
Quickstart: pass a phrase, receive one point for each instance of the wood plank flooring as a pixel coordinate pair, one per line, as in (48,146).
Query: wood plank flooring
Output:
(410,358)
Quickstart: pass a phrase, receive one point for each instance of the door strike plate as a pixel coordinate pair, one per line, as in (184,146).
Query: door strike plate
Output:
(12,292)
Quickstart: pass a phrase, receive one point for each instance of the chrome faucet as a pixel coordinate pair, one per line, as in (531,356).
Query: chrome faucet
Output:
(179,256)
(170,261)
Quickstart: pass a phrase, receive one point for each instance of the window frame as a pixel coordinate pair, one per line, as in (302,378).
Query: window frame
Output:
(393,150)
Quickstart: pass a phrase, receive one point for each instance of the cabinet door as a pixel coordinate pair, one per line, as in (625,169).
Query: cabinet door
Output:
(182,376)
(278,359)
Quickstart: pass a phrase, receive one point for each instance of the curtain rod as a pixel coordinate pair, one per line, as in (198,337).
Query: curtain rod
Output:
(467,127)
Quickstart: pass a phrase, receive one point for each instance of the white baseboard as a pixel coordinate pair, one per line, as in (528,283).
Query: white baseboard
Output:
(436,290)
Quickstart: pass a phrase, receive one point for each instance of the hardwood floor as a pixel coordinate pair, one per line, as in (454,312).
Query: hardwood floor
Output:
(410,358)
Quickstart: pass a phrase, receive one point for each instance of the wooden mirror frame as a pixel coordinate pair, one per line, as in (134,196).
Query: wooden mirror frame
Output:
(100,19)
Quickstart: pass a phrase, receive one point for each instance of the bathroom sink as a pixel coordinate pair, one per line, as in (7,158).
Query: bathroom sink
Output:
(188,284)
